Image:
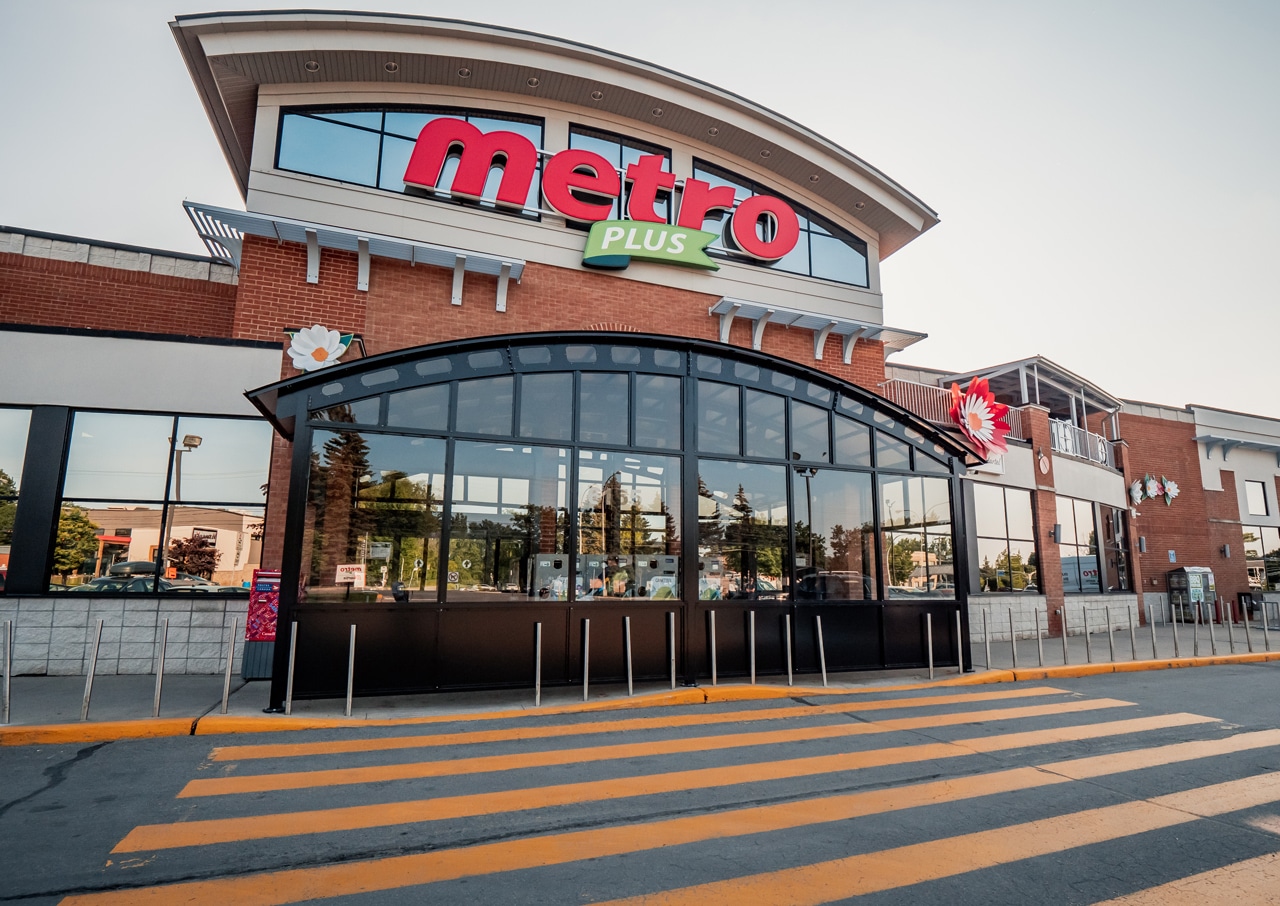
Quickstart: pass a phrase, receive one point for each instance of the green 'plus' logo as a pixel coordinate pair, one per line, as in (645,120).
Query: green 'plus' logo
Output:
(612,244)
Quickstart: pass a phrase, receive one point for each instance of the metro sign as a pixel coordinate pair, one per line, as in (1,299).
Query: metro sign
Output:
(581,186)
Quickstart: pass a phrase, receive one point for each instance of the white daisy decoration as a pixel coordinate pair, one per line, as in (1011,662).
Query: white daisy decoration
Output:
(980,417)
(1153,487)
(1135,492)
(317,347)
(1170,491)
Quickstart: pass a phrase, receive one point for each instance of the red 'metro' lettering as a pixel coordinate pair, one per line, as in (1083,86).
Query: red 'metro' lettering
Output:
(478,152)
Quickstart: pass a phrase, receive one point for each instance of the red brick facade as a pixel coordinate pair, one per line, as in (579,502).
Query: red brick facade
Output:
(50,293)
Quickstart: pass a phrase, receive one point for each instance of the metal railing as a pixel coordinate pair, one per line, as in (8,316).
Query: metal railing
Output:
(1069,440)
(934,404)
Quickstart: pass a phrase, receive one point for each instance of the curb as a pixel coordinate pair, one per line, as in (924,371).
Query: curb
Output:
(153,728)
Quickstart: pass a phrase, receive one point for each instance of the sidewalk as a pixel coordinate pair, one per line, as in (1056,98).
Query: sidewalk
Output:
(47,709)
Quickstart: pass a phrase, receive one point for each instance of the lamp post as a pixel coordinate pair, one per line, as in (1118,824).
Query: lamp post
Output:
(189,443)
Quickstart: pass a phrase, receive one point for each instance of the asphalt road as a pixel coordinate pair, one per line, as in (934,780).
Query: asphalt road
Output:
(1142,788)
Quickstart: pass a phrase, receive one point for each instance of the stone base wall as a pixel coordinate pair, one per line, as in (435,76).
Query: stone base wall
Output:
(54,636)
(1096,605)
(997,607)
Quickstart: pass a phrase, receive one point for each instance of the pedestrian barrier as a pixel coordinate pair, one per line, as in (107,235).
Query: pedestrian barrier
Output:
(751,643)
(928,641)
(164,643)
(626,635)
(1013,640)
(787,628)
(822,651)
(231,656)
(959,645)
(351,668)
(8,667)
(586,656)
(537,665)
(711,618)
(93,668)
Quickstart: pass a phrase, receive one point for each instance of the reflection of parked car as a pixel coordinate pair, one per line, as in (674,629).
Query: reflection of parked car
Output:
(112,585)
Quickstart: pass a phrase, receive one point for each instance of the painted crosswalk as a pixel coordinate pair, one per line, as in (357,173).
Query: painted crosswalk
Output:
(784,802)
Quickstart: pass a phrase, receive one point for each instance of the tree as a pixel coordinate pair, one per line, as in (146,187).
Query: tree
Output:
(196,556)
(8,507)
(77,541)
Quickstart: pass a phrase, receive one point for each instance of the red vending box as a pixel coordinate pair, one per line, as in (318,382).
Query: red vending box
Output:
(260,624)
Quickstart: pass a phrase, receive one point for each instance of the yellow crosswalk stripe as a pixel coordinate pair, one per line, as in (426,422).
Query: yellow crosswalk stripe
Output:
(348,746)
(149,838)
(840,879)
(299,885)
(1252,882)
(260,783)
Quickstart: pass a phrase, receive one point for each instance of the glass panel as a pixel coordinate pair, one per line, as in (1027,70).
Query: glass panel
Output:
(372,529)
(918,545)
(120,457)
(1066,520)
(1018,504)
(1255,493)
(604,410)
(426,408)
(365,118)
(1253,549)
(891,453)
(1086,532)
(1023,568)
(546,406)
(718,419)
(853,442)
(221,460)
(364,412)
(209,549)
(628,525)
(810,436)
(795,261)
(1271,554)
(766,424)
(833,260)
(484,405)
(835,535)
(988,507)
(742,530)
(508,532)
(395,160)
(659,409)
(409,124)
(14,424)
(327,149)
(993,564)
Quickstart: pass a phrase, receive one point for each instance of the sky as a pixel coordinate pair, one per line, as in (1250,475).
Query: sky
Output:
(1105,172)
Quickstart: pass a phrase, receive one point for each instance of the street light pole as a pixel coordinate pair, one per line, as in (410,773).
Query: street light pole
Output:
(189,443)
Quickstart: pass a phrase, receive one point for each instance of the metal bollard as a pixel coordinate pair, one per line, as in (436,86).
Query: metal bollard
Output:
(751,642)
(986,637)
(959,644)
(93,667)
(1173,625)
(1013,640)
(293,659)
(8,666)
(1266,626)
(586,657)
(164,642)
(1151,624)
(1248,636)
(671,645)
(1039,638)
(1213,639)
(351,667)
(711,617)
(626,638)
(1231,632)
(1133,636)
(1088,640)
(822,652)
(1111,635)
(537,665)
(231,656)
(786,619)
(1195,634)
(1066,655)
(928,640)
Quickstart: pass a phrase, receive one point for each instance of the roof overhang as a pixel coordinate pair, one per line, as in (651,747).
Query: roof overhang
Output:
(1049,373)
(231,55)
(823,326)
(1227,444)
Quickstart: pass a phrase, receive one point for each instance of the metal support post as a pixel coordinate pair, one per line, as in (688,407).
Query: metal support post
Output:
(1066,655)
(626,638)
(751,643)
(1248,636)
(293,659)
(8,666)
(586,657)
(959,645)
(1195,634)
(231,656)
(1173,624)
(1111,635)
(537,665)
(1088,640)
(928,641)
(786,619)
(711,616)
(1039,638)
(351,667)
(1231,633)
(1133,636)
(671,645)
(93,668)
(1213,639)
(986,637)
(1266,626)
(822,652)
(164,642)
(1151,624)
(1013,640)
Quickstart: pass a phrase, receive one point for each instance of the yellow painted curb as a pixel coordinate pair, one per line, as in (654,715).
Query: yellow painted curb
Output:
(107,731)
(1068,671)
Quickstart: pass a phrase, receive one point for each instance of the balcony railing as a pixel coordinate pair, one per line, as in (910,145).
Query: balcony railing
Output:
(1069,440)
(934,404)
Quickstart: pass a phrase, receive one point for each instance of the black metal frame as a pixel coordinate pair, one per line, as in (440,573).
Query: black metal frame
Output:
(871,634)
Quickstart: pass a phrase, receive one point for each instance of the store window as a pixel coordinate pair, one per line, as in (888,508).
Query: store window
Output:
(161,503)
(622,151)
(918,546)
(1115,550)
(1078,547)
(372,146)
(1255,495)
(835,535)
(824,250)
(742,530)
(1262,556)
(1007,559)
(14,424)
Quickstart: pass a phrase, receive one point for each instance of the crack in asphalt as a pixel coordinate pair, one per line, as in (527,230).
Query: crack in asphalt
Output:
(56,774)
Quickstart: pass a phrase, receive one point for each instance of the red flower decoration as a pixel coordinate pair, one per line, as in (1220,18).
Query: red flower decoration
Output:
(980,417)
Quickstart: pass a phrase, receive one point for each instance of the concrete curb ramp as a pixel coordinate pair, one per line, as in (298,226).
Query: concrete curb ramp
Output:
(151,728)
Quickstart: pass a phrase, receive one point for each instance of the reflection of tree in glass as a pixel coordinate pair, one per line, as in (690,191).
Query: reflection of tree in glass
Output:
(754,546)
(8,508)
(335,483)
(197,556)
(901,561)
(77,541)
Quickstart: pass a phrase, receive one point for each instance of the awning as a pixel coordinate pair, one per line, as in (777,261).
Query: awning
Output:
(822,325)
(1227,444)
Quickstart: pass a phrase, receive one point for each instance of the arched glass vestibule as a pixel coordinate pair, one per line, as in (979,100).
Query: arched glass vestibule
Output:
(446,499)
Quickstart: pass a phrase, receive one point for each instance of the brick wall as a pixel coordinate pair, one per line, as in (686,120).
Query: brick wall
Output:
(52,293)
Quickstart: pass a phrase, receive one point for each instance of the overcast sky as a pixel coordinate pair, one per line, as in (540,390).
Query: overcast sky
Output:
(1107,173)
